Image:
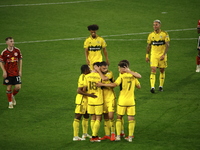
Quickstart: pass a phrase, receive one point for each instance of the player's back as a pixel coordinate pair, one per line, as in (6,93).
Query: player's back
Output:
(90,81)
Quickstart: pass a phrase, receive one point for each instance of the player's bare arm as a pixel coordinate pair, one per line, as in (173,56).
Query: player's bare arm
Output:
(80,91)
(135,74)
(3,69)
(166,50)
(148,49)
(106,56)
(20,67)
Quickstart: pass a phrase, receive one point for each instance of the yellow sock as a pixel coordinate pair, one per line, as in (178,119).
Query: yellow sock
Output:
(85,125)
(152,79)
(76,127)
(96,127)
(112,126)
(131,127)
(92,124)
(118,126)
(122,125)
(162,79)
(107,126)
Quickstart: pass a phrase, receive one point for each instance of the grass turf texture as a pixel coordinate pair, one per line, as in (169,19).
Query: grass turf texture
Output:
(44,113)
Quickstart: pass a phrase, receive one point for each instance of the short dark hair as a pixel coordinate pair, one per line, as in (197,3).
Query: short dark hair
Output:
(8,38)
(93,27)
(122,64)
(103,63)
(126,61)
(97,63)
(84,68)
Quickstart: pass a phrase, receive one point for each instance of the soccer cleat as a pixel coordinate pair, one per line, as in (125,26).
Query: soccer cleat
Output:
(13,100)
(105,137)
(198,68)
(122,135)
(160,88)
(76,138)
(118,138)
(129,138)
(95,139)
(85,135)
(112,138)
(152,90)
(10,106)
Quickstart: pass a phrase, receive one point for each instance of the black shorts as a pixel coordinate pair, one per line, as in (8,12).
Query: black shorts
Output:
(12,80)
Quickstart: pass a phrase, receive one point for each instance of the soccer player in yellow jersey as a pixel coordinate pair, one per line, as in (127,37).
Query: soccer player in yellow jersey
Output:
(95,105)
(126,101)
(109,102)
(81,107)
(157,48)
(93,46)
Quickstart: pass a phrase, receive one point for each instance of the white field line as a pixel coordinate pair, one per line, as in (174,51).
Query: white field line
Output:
(82,38)
(17,5)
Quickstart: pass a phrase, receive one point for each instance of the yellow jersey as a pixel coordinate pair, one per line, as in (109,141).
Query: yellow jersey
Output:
(157,41)
(108,92)
(90,82)
(127,83)
(79,97)
(94,46)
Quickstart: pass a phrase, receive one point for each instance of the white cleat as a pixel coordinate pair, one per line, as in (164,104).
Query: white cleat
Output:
(129,138)
(13,100)
(10,106)
(76,138)
(118,138)
(85,135)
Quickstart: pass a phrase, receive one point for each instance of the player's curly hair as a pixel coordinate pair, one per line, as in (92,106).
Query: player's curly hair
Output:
(84,68)
(93,27)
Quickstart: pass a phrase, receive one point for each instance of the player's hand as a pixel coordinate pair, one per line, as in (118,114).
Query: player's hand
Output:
(162,57)
(97,68)
(147,59)
(92,95)
(4,74)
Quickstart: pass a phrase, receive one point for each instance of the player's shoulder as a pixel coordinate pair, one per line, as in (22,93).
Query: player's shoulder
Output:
(151,33)
(164,32)
(5,50)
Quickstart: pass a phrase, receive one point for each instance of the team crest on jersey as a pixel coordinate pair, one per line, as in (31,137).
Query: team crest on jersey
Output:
(161,36)
(98,42)
(6,81)
(8,55)
(16,54)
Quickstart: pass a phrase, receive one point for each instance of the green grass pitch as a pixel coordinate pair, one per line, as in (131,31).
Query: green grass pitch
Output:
(51,35)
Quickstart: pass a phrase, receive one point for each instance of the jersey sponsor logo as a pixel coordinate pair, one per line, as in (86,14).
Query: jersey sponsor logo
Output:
(16,54)
(94,48)
(6,81)
(158,43)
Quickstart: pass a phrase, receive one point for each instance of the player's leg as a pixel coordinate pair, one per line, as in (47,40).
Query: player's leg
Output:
(96,126)
(111,110)
(106,127)
(162,66)
(76,123)
(85,126)
(120,113)
(153,79)
(15,91)
(198,61)
(162,79)
(154,65)
(9,96)
(131,123)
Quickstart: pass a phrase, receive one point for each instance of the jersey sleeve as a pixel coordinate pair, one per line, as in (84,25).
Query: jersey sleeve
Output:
(103,43)
(137,82)
(2,57)
(118,81)
(149,39)
(85,44)
(167,39)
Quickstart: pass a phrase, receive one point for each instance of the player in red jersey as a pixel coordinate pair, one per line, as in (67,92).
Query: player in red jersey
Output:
(11,65)
(198,48)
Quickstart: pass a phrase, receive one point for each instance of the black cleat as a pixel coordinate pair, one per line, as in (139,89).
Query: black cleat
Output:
(152,90)
(160,89)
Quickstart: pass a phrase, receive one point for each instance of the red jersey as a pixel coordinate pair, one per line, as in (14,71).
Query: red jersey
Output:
(11,59)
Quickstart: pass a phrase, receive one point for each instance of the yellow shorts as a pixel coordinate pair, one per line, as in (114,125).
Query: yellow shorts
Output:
(156,62)
(129,110)
(109,106)
(80,109)
(95,109)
